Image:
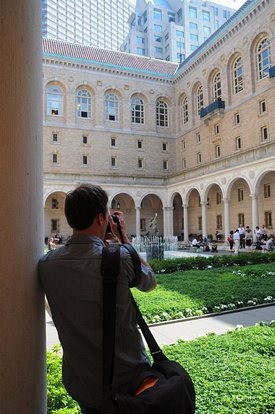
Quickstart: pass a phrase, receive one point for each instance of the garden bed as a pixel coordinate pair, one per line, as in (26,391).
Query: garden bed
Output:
(195,292)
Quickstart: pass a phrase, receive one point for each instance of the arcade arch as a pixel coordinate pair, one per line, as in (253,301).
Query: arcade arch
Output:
(151,204)
(265,193)
(125,203)
(240,203)
(54,218)
(214,211)
(194,213)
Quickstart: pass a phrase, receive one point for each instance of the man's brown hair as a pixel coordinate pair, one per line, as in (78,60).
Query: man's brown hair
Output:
(83,204)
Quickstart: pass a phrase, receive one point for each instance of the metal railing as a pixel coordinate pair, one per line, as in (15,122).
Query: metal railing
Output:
(217,104)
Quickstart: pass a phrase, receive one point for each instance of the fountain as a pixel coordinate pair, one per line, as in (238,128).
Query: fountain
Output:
(155,247)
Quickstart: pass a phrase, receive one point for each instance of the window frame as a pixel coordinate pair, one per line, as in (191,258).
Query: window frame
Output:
(240,194)
(55,100)
(84,160)
(262,106)
(83,101)
(264,133)
(137,110)
(241,219)
(140,163)
(185,110)
(111,107)
(238,143)
(218,198)
(267,190)
(217,151)
(199,99)
(217,86)
(162,114)
(219,223)
(238,75)
(237,118)
(263,62)
(268,219)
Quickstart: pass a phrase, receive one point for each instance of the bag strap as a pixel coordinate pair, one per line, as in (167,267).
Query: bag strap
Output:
(110,266)
(155,350)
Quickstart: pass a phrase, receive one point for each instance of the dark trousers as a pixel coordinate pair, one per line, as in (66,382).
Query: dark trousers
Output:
(87,410)
(242,241)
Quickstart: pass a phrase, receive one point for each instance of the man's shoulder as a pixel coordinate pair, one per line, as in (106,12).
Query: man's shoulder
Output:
(51,255)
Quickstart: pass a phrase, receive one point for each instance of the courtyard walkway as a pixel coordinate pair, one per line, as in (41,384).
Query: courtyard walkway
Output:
(191,328)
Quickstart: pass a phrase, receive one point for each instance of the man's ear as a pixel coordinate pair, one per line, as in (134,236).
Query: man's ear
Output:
(100,218)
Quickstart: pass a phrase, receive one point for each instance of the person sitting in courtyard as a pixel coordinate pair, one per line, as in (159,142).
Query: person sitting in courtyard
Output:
(269,246)
(195,243)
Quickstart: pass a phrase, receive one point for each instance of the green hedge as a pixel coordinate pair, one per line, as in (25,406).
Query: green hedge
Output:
(233,373)
(198,262)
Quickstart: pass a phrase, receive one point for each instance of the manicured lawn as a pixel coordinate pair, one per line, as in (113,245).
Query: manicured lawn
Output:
(194,292)
(233,373)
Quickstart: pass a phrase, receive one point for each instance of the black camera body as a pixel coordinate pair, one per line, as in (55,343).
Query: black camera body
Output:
(117,222)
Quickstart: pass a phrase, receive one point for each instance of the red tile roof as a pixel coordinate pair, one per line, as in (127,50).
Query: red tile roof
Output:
(107,57)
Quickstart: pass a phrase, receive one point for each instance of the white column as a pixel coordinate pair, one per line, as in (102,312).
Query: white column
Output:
(185,223)
(204,219)
(167,222)
(22,314)
(138,221)
(227,219)
(255,213)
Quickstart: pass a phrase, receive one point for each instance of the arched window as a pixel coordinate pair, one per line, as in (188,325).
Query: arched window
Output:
(83,103)
(162,113)
(185,113)
(54,100)
(238,75)
(111,107)
(199,99)
(137,108)
(263,58)
(217,86)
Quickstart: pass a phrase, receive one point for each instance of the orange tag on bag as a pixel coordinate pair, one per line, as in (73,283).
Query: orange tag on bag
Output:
(149,382)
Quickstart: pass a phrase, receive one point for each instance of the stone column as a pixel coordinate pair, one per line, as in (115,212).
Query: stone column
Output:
(138,221)
(185,223)
(22,314)
(255,213)
(167,222)
(227,221)
(204,219)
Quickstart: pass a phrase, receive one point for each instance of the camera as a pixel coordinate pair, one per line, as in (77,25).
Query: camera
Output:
(116,221)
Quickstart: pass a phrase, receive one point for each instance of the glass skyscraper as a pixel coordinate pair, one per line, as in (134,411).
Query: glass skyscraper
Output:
(172,29)
(101,23)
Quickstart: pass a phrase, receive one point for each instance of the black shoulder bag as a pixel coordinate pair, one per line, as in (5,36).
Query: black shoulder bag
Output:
(164,388)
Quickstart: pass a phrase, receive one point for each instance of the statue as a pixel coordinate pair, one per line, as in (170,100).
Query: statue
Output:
(153,224)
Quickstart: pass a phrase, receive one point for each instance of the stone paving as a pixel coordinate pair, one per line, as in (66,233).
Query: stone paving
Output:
(188,329)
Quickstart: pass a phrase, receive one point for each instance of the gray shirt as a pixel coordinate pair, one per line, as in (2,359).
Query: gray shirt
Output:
(72,281)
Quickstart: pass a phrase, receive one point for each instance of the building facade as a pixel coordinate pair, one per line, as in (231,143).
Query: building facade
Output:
(194,143)
(172,29)
(102,24)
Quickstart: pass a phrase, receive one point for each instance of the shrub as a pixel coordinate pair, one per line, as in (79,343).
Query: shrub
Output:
(59,402)
(200,263)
